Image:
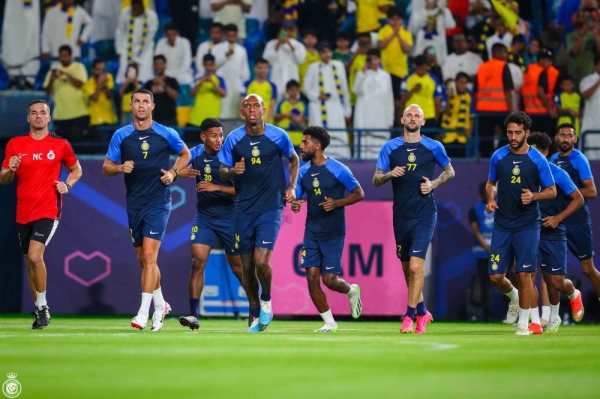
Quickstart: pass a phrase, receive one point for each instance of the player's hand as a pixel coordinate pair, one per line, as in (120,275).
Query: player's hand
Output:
(14,162)
(526,197)
(398,171)
(127,167)
(491,206)
(61,187)
(329,205)
(206,186)
(297,205)
(188,171)
(290,195)
(167,177)
(551,222)
(240,167)
(426,186)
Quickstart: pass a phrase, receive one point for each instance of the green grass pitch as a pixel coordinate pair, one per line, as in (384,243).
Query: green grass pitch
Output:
(79,357)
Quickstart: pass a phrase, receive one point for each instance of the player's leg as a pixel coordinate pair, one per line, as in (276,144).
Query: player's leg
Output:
(225,230)
(317,295)
(331,252)
(557,272)
(545,300)
(41,233)
(580,242)
(535,327)
(245,232)
(501,259)
(267,230)
(526,247)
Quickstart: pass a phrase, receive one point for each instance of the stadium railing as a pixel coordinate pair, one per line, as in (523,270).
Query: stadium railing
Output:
(584,135)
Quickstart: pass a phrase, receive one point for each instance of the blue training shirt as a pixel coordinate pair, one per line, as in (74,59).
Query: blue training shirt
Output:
(150,151)
(564,188)
(420,159)
(262,186)
(578,168)
(515,172)
(212,204)
(330,180)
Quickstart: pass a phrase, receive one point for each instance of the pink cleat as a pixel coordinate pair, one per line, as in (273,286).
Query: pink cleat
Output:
(422,322)
(407,325)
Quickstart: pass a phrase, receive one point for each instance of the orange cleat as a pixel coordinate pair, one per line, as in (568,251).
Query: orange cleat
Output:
(577,308)
(535,328)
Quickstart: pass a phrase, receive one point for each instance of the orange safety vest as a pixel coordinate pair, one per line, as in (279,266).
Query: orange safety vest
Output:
(533,104)
(491,96)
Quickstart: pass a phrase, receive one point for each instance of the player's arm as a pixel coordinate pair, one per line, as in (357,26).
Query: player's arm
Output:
(447,174)
(290,192)
(206,186)
(355,196)
(546,194)
(589,189)
(490,191)
(110,168)
(75,174)
(7,175)
(576,203)
(380,177)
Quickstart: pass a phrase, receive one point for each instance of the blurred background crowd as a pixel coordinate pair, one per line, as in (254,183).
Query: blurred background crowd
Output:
(350,66)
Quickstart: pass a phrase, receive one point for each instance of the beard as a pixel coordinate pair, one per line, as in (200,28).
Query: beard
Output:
(412,129)
(565,146)
(519,144)
(308,156)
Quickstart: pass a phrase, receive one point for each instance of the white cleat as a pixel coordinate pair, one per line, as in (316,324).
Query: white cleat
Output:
(139,321)
(522,329)
(327,328)
(513,312)
(158,317)
(355,302)
(544,323)
(553,326)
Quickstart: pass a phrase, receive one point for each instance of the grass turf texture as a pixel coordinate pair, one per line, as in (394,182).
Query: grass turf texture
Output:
(79,357)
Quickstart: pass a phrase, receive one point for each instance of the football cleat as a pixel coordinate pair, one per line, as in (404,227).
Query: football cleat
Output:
(422,322)
(577,308)
(266,313)
(513,312)
(522,329)
(355,302)
(189,321)
(158,318)
(327,328)
(139,321)
(407,325)
(535,328)
(553,326)
(256,327)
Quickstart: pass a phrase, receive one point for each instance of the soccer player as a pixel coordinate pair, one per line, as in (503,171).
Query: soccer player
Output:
(325,181)
(141,152)
(251,155)
(36,160)
(214,214)
(517,172)
(552,255)
(579,226)
(408,161)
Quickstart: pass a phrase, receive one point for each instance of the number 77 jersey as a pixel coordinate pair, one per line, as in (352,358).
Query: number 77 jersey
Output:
(419,160)
(514,173)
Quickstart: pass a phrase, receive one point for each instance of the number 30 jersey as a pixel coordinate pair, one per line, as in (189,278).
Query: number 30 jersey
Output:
(515,172)
(150,151)
(262,186)
(419,159)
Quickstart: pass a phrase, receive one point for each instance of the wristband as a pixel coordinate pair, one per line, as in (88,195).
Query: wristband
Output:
(69,187)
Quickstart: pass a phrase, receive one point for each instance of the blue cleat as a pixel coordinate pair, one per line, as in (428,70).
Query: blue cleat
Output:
(256,327)
(266,313)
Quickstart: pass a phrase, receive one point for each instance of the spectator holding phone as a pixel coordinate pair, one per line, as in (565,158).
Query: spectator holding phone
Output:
(131,84)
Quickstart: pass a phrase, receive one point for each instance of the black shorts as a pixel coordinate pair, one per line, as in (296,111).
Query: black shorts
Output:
(396,83)
(40,230)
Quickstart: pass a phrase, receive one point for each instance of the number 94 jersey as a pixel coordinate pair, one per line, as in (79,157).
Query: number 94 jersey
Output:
(419,160)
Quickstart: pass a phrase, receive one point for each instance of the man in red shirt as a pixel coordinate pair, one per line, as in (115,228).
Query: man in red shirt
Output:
(36,160)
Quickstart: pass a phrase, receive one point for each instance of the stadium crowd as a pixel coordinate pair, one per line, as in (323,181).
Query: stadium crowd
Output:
(333,63)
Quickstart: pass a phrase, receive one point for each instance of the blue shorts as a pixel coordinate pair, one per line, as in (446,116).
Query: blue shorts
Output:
(258,229)
(205,230)
(413,236)
(552,257)
(507,246)
(324,254)
(148,222)
(579,240)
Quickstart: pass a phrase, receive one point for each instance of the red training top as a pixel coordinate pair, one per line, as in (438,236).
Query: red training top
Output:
(37,197)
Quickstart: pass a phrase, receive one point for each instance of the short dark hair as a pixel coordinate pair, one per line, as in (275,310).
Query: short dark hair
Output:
(160,57)
(66,48)
(98,61)
(374,52)
(137,2)
(343,36)
(292,83)
(261,61)
(209,123)
(394,12)
(567,125)
(230,28)
(498,47)
(171,26)
(143,91)
(539,139)
(463,75)
(310,32)
(216,25)
(37,101)
(419,60)
(520,118)
(564,77)
(318,133)
(364,34)
(519,38)
(208,58)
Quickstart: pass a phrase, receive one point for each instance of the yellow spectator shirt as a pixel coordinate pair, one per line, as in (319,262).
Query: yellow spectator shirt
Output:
(394,60)
(102,111)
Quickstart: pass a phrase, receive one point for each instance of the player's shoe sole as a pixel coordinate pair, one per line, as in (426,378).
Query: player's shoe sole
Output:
(553,326)
(140,321)
(328,329)
(189,321)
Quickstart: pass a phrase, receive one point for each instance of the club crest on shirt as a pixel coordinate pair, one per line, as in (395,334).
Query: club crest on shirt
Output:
(255,152)
(494,266)
(316,183)
(207,169)
(145,146)
(50,155)
(412,157)
(516,171)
